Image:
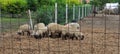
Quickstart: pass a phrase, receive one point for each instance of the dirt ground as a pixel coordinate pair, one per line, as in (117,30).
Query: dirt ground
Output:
(101,37)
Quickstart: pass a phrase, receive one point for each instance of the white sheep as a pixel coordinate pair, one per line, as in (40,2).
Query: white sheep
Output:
(24,28)
(72,30)
(39,26)
(38,34)
(74,25)
(39,30)
(54,30)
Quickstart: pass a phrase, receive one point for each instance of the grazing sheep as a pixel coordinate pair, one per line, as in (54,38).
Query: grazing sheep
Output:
(71,31)
(24,28)
(76,34)
(54,30)
(39,26)
(40,30)
(109,11)
(38,34)
(73,25)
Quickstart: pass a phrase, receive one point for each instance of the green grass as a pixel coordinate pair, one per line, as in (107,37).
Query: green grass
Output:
(12,23)
(15,20)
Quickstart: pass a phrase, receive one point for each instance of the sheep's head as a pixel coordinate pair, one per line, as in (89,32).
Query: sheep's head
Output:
(81,36)
(33,33)
(19,32)
(37,34)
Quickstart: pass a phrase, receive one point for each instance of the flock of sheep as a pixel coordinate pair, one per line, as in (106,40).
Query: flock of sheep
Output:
(53,30)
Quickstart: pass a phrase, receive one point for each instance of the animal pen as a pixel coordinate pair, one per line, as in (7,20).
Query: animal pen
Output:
(101,33)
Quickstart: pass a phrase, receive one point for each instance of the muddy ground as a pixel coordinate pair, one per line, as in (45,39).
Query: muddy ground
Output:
(101,37)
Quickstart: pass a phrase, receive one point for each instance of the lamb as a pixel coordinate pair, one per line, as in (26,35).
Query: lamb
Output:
(24,28)
(40,30)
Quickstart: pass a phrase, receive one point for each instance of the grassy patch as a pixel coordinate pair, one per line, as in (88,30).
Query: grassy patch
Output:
(6,20)
(9,24)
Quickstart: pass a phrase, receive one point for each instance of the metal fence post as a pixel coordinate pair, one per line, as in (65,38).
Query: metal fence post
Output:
(66,13)
(82,11)
(74,12)
(79,13)
(55,12)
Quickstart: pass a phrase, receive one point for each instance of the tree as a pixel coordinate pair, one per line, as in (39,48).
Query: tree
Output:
(32,4)
(13,6)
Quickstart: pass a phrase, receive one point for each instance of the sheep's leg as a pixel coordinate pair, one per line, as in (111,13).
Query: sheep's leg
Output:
(47,34)
(40,36)
(36,37)
(76,38)
(72,36)
(60,34)
(64,37)
(22,33)
(82,37)
(28,33)
(51,35)
(43,34)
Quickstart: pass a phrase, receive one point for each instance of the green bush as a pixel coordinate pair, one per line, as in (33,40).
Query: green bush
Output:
(46,14)
(13,6)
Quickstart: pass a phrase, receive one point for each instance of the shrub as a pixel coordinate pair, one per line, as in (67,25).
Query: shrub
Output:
(46,14)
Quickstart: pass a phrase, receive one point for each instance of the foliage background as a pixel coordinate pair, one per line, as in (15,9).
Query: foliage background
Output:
(43,10)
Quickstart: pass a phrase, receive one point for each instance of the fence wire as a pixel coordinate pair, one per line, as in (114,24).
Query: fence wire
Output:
(101,37)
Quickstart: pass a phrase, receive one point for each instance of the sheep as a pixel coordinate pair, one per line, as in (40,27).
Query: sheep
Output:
(39,26)
(54,30)
(38,34)
(76,34)
(109,11)
(71,31)
(74,25)
(40,31)
(65,31)
(24,28)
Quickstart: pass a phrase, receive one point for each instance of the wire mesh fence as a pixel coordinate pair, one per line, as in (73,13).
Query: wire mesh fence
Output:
(101,36)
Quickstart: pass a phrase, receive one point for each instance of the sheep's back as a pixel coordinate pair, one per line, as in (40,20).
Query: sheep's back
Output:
(24,27)
(39,26)
(54,27)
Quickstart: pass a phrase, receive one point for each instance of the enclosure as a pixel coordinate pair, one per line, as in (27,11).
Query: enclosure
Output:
(101,32)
